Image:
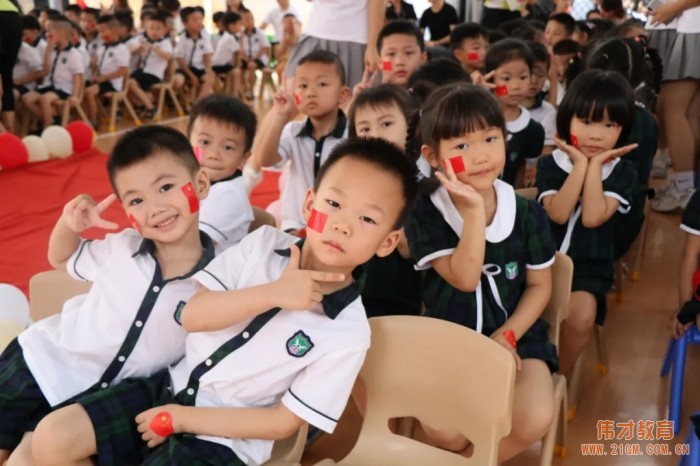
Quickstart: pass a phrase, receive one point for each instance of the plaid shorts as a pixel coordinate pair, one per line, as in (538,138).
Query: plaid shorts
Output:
(22,404)
(187,450)
(112,412)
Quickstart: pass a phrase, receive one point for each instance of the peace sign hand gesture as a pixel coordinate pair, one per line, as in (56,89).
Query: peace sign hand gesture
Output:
(83,212)
(367,81)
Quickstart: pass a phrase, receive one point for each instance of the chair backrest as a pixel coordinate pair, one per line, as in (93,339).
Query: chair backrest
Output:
(558,306)
(527,193)
(445,375)
(288,452)
(14,306)
(49,290)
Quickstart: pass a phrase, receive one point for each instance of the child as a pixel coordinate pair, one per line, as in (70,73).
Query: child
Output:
(581,186)
(319,90)
(290,38)
(218,19)
(221,130)
(155,53)
(226,51)
(193,53)
(110,66)
(469,43)
(63,71)
(72,12)
(689,296)
(128,324)
(31,34)
(401,51)
(27,71)
(126,36)
(560,26)
(88,24)
(582,33)
(535,102)
(512,62)
(274,318)
(486,252)
(255,50)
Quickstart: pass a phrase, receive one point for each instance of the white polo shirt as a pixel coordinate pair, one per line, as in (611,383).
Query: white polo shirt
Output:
(689,21)
(93,45)
(226,46)
(82,48)
(305,155)
(275,16)
(111,57)
(546,115)
(306,360)
(192,50)
(252,42)
(133,42)
(152,63)
(28,61)
(226,213)
(126,326)
(339,20)
(40,45)
(64,64)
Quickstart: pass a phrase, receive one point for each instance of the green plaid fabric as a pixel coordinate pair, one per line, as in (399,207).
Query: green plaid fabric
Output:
(691,216)
(525,144)
(591,249)
(187,450)
(529,243)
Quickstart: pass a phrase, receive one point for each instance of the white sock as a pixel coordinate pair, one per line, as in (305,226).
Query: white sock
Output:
(684,181)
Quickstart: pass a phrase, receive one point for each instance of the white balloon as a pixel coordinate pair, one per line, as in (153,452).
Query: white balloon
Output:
(38,152)
(13,305)
(58,141)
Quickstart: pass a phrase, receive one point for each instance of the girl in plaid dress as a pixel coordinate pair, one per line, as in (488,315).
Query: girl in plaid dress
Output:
(486,252)
(581,186)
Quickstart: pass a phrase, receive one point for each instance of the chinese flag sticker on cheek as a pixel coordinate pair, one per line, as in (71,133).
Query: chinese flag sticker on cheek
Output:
(457,164)
(574,141)
(297,99)
(472,56)
(387,66)
(317,221)
(162,424)
(199,153)
(134,223)
(188,191)
(501,90)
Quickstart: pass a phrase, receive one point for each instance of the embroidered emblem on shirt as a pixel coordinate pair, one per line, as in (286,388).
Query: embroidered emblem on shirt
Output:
(511,270)
(178,312)
(64,60)
(513,156)
(299,344)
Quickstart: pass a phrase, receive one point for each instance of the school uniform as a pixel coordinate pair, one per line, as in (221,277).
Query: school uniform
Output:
(110,58)
(517,240)
(690,223)
(524,140)
(65,64)
(127,325)
(222,61)
(40,46)
(92,45)
(28,61)
(133,42)
(226,213)
(274,17)
(151,67)
(306,360)
(392,288)
(682,62)
(193,50)
(306,155)
(251,44)
(591,249)
(85,55)
(545,114)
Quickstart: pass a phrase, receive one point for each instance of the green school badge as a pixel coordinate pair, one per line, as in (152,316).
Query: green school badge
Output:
(511,270)
(299,344)
(178,312)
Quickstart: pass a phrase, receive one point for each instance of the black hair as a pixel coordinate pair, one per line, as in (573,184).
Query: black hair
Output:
(94,12)
(146,13)
(566,47)
(566,20)
(403,27)
(326,58)
(189,11)
(218,16)
(73,8)
(495,36)
(613,6)
(140,144)
(161,16)
(583,28)
(126,19)
(109,20)
(592,11)
(507,27)
(51,13)
(467,31)
(292,15)
(590,95)
(621,29)
(539,52)
(170,5)
(228,110)
(386,157)
(525,33)
(61,22)
(30,22)
(507,50)
(438,72)
(599,27)
(230,18)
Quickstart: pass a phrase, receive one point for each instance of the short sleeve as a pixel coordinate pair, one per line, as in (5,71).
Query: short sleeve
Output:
(549,123)
(34,61)
(166,46)
(92,255)
(424,20)
(691,217)
(226,213)
(270,16)
(452,15)
(208,48)
(621,184)
(549,178)
(534,141)
(75,63)
(233,46)
(123,57)
(286,147)
(540,244)
(319,394)
(180,48)
(428,235)
(223,272)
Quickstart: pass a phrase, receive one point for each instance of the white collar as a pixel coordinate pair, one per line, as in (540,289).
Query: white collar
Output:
(503,221)
(519,123)
(564,162)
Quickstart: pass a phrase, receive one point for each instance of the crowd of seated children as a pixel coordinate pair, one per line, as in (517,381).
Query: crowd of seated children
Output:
(193,53)
(254,54)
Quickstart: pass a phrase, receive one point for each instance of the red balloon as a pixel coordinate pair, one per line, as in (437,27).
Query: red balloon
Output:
(82,135)
(13,153)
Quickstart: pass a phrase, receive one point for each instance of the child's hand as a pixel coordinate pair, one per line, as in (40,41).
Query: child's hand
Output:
(471,198)
(612,154)
(300,289)
(144,424)
(481,80)
(194,80)
(83,212)
(498,337)
(677,328)
(574,154)
(366,82)
(284,104)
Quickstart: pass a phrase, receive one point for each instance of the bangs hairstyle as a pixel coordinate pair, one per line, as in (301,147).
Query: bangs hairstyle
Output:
(403,27)
(505,51)
(539,52)
(325,57)
(227,110)
(590,95)
(382,96)
(467,31)
(140,144)
(110,21)
(386,157)
(161,16)
(566,20)
(230,18)
(457,109)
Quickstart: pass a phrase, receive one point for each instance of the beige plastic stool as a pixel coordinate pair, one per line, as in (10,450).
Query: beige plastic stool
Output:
(288,452)
(49,290)
(8,332)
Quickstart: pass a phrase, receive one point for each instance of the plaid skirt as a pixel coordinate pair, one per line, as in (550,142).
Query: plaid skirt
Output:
(534,344)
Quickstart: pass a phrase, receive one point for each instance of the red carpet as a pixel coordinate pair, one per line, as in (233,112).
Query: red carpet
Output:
(32,198)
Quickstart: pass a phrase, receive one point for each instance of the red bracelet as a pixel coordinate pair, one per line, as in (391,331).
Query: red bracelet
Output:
(162,424)
(509,335)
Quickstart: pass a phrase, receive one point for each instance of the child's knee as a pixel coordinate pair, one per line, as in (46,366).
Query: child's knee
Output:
(61,435)
(535,425)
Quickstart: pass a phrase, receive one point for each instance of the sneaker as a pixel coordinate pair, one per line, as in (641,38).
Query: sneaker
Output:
(660,164)
(671,199)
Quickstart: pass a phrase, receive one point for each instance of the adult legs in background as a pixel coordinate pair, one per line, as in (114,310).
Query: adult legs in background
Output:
(11,40)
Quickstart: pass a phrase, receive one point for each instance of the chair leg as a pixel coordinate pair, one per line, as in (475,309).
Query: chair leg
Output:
(130,110)
(619,297)
(676,400)
(161,101)
(574,388)
(600,347)
(176,102)
(560,447)
(668,358)
(113,115)
(66,113)
(81,112)
(641,245)
(549,446)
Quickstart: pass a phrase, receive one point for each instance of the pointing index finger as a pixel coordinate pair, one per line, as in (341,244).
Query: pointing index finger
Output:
(106,202)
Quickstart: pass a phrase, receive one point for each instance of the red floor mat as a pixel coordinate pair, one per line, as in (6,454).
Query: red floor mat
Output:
(32,198)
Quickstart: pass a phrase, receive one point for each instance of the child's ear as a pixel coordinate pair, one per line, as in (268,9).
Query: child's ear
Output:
(202,184)
(424,56)
(430,155)
(245,158)
(345,95)
(389,243)
(308,203)
(458,53)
